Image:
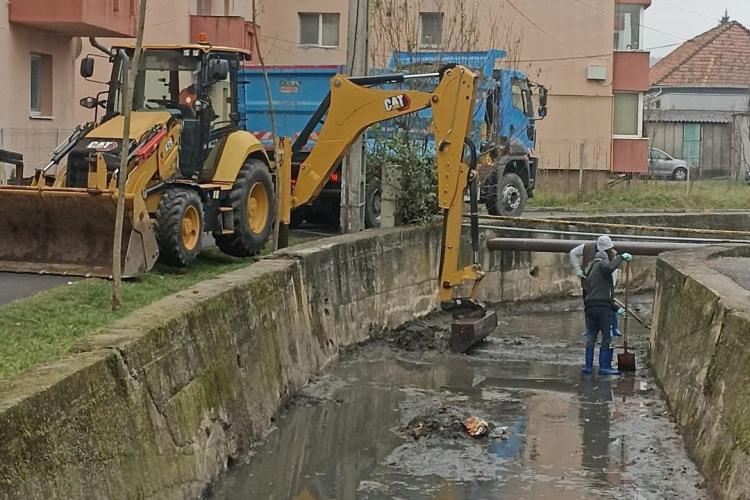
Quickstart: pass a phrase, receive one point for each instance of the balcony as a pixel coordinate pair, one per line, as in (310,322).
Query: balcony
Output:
(226,31)
(646,3)
(630,155)
(630,72)
(103,18)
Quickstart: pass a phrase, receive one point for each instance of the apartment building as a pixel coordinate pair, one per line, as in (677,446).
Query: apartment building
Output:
(39,42)
(589,53)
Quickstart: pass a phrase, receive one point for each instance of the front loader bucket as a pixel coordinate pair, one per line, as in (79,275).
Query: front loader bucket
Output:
(70,231)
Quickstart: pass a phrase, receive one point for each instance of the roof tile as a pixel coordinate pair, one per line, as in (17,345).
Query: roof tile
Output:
(718,57)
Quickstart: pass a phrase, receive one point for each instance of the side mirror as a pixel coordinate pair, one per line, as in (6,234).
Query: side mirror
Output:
(218,70)
(199,105)
(542,111)
(87,67)
(89,102)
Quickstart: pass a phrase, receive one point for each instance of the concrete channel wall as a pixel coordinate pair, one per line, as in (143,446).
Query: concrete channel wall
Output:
(700,351)
(157,405)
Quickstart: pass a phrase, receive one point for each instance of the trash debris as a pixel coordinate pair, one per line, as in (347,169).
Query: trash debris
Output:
(447,422)
(501,432)
(476,427)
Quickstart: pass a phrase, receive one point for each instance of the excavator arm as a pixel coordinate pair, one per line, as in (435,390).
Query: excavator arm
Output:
(351,107)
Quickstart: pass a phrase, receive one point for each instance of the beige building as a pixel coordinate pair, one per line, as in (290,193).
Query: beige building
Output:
(595,118)
(38,47)
(594,67)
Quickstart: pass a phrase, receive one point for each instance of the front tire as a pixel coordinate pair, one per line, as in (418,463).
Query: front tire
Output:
(179,227)
(253,207)
(373,208)
(508,197)
(680,174)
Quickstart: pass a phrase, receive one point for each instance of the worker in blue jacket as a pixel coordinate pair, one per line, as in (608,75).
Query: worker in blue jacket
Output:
(599,302)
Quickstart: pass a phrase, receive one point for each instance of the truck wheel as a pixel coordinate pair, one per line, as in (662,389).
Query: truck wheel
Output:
(372,208)
(179,227)
(511,195)
(253,205)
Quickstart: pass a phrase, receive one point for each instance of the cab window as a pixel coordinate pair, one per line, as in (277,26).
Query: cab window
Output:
(522,100)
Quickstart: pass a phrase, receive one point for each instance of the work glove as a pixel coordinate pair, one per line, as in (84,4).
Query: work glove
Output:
(580,274)
(621,312)
(627,257)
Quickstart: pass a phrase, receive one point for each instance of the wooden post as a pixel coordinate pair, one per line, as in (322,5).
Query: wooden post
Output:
(353,168)
(122,174)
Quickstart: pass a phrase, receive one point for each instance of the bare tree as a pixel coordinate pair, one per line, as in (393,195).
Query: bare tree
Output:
(122,173)
(279,241)
(465,25)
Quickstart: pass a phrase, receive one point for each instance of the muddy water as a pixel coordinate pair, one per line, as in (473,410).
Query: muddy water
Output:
(557,434)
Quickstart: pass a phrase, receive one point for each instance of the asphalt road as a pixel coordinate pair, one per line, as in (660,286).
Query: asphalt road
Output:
(15,286)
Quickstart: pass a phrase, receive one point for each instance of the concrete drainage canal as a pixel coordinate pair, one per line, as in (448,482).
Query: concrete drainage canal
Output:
(388,422)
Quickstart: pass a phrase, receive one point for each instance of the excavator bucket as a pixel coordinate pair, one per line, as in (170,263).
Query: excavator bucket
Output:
(70,231)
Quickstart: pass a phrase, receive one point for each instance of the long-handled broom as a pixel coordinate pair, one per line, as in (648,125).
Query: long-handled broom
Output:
(626,360)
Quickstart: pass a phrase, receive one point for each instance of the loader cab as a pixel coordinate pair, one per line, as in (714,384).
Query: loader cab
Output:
(197,85)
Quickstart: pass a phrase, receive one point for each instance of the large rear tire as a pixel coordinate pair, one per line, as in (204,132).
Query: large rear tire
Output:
(253,206)
(179,227)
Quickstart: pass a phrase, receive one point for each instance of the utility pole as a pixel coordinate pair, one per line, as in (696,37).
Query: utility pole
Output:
(353,168)
(128,80)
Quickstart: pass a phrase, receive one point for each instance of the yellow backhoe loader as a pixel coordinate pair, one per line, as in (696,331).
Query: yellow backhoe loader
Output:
(191,170)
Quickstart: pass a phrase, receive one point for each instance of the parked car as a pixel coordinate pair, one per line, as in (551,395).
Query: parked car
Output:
(660,164)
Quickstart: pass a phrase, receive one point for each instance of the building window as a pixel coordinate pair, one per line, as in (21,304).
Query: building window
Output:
(318,29)
(205,7)
(627,115)
(41,85)
(628,26)
(431,24)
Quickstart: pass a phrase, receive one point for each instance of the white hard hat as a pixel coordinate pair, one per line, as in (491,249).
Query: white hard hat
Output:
(604,242)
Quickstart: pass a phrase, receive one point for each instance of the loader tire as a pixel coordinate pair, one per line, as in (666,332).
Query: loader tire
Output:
(253,205)
(179,227)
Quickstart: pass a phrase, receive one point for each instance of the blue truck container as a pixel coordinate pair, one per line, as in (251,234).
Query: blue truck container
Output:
(504,126)
(296,92)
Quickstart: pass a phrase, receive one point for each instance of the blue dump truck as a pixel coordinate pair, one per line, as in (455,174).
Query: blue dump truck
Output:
(504,125)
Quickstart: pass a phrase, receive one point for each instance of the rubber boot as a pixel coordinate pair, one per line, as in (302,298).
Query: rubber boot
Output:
(589,360)
(605,361)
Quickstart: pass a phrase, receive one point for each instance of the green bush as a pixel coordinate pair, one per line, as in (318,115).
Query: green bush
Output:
(416,197)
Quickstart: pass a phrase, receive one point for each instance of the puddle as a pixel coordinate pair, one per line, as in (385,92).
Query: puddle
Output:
(563,436)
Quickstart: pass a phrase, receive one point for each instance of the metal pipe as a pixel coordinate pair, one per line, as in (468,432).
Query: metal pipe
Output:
(624,236)
(95,43)
(421,75)
(564,246)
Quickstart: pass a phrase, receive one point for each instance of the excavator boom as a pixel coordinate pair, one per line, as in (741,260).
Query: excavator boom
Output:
(352,107)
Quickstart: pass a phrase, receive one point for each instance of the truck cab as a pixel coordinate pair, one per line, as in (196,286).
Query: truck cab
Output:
(504,127)
(508,142)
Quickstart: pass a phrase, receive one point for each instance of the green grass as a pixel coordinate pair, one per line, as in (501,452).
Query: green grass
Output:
(46,325)
(652,196)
